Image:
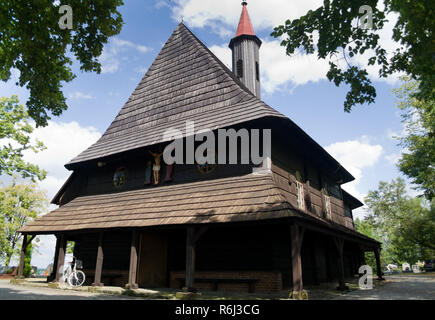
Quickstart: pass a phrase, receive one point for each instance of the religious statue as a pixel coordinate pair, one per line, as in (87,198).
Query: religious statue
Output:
(156,166)
(169,168)
(148,172)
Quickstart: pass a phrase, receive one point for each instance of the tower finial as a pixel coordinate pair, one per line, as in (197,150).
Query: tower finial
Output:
(244,3)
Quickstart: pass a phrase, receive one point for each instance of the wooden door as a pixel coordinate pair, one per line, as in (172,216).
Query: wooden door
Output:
(153,260)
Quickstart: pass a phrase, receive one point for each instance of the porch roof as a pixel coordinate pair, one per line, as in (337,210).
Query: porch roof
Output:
(237,199)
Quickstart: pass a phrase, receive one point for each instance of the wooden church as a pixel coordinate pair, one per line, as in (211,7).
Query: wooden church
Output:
(139,222)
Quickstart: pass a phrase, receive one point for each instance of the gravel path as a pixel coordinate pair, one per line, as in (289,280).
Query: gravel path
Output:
(398,287)
(13,292)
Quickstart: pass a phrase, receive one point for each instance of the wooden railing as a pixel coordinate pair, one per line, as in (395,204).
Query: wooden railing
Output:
(314,200)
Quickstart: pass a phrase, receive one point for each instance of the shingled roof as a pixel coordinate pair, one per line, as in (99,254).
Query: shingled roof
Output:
(186,82)
(237,199)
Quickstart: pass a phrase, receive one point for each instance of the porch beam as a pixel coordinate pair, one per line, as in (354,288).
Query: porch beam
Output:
(52,275)
(297,235)
(23,250)
(377,252)
(99,263)
(60,257)
(132,274)
(339,243)
(190,260)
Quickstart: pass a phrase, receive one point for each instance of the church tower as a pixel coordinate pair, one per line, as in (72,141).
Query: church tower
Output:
(246,57)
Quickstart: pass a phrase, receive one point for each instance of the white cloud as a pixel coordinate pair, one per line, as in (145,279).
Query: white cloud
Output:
(278,70)
(111,57)
(80,95)
(264,14)
(64,141)
(355,155)
(393,158)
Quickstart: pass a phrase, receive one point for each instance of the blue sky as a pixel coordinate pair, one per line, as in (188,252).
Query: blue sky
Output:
(296,86)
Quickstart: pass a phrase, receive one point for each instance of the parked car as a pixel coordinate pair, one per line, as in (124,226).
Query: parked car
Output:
(429,265)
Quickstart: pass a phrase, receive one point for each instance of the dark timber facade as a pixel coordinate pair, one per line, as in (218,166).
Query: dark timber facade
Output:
(224,227)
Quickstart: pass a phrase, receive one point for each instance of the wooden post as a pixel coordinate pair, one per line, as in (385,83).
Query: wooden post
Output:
(52,275)
(133,263)
(23,251)
(297,235)
(190,260)
(377,252)
(191,238)
(99,263)
(339,243)
(60,257)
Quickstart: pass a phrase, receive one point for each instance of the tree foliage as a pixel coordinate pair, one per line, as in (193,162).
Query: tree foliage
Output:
(405,225)
(15,131)
(418,118)
(32,42)
(334,31)
(19,204)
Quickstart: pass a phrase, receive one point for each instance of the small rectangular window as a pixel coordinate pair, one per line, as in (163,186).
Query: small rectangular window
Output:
(240,68)
(257,71)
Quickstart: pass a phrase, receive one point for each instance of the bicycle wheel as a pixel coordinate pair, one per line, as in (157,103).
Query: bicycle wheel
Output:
(76,279)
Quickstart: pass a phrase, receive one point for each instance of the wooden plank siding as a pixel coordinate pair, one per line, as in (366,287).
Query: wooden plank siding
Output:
(283,180)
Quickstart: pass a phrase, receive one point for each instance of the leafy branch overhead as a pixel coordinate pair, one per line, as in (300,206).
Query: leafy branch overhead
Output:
(32,42)
(335,32)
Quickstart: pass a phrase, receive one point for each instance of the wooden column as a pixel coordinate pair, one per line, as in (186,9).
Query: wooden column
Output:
(339,243)
(377,252)
(191,239)
(297,235)
(23,250)
(99,263)
(133,262)
(60,257)
(190,260)
(52,275)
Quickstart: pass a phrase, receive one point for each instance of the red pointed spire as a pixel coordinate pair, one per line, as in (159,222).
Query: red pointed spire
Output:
(245,25)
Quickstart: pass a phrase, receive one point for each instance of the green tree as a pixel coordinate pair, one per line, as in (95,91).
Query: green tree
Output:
(15,131)
(19,204)
(405,225)
(418,118)
(32,42)
(335,31)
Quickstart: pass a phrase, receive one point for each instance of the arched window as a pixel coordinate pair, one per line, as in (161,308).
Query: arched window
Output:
(240,68)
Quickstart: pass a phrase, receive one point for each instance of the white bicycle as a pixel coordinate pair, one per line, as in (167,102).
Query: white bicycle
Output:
(74,277)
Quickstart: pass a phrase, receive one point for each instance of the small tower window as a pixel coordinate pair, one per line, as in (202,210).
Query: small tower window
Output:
(240,68)
(257,71)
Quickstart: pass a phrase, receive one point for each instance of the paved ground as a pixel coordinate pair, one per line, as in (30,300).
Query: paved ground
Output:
(398,287)
(13,292)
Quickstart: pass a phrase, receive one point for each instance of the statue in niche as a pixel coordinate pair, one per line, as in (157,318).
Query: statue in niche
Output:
(169,168)
(148,172)
(156,167)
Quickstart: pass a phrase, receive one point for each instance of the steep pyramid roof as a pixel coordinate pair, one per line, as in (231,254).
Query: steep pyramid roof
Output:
(245,25)
(186,82)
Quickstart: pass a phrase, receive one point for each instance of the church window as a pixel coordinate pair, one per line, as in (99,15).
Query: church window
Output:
(240,68)
(257,71)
